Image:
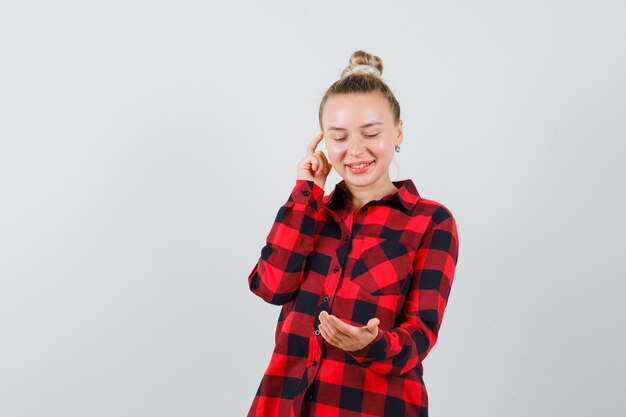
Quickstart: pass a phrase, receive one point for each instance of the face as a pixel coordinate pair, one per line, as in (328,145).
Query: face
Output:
(358,129)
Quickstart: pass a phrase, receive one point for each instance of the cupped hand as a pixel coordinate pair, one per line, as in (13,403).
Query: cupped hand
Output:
(345,336)
(315,166)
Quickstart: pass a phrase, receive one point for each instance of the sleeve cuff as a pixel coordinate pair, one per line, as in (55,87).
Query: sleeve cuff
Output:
(306,191)
(374,350)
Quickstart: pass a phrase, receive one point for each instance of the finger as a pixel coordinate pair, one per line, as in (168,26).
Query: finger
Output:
(320,155)
(325,334)
(336,335)
(313,144)
(373,322)
(372,326)
(314,163)
(323,156)
(319,165)
(330,336)
(323,318)
(341,326)
(306,162)
(327,165)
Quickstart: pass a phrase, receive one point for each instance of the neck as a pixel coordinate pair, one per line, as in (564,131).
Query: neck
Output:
(363,195)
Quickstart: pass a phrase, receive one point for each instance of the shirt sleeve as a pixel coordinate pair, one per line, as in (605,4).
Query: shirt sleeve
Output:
(276,276)
(400,349)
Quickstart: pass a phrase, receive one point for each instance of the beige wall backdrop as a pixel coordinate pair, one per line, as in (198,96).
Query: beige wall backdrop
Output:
(146,146)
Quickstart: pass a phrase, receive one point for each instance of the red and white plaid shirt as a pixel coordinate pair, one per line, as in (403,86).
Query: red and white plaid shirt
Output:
(393,259)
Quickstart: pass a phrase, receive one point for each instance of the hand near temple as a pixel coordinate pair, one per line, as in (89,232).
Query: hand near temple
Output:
(315,166)
(345,336)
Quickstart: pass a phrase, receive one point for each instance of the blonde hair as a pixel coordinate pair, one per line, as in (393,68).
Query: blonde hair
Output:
(362,76)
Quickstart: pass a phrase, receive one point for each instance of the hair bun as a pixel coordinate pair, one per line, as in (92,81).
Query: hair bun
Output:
(362,62)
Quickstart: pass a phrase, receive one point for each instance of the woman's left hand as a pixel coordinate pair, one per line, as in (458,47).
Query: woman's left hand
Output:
(345,336)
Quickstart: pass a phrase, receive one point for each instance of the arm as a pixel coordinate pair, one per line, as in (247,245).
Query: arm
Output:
(400,349)
(277,274)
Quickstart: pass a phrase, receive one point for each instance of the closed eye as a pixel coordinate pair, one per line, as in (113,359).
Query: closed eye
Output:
(367,136)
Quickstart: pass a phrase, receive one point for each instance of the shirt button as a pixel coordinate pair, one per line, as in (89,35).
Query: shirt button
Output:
(314,362)
(325,299)
(336,269)
(317,332)
(306,192)
(346,238)
(310,396)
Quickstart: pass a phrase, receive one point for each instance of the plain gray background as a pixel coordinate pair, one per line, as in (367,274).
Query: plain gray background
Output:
(146,146)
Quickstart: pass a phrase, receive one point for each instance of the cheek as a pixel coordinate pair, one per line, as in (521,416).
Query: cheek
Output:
(335,152)
(381,151)
(381,147)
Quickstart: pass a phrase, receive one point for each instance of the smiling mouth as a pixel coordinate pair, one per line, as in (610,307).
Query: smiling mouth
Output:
(361,165)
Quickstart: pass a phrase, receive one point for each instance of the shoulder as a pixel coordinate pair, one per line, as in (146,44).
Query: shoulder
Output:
(435,219)
(434,210)
(439,225)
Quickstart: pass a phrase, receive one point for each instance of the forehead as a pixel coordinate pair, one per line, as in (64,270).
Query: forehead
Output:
(355,110)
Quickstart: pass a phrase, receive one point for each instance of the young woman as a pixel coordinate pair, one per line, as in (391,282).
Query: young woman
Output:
(363,274)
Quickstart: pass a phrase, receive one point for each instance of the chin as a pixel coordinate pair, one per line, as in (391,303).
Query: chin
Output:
(360,181)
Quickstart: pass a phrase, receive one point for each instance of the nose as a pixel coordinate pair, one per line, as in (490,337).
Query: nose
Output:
(355,147)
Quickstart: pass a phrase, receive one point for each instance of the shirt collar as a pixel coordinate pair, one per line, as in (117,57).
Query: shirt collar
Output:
(407,195)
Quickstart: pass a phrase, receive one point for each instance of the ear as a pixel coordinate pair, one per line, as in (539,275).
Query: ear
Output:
(399,134)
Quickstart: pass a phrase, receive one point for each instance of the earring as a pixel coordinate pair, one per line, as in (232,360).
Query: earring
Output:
(397,147)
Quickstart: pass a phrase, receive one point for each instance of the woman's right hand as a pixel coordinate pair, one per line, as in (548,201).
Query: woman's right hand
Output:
(314,167)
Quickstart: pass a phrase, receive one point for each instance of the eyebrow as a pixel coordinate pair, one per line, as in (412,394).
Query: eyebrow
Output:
(365,125)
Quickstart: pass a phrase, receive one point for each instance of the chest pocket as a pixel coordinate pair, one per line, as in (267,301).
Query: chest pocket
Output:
(382,265)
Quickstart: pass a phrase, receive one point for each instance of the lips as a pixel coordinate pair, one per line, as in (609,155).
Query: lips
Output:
(360,164)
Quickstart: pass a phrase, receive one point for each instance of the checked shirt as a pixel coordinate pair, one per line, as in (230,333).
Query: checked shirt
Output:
(393,259)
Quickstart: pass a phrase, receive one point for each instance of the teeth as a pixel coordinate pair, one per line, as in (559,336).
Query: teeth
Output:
(360,166)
